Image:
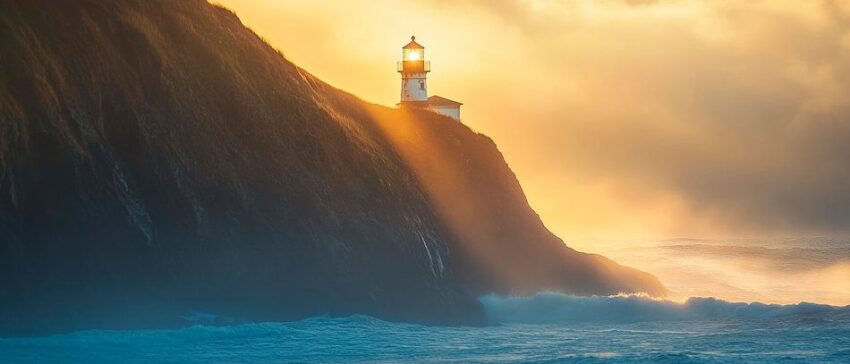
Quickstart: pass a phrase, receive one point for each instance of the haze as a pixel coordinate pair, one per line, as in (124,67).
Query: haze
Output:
(623,120)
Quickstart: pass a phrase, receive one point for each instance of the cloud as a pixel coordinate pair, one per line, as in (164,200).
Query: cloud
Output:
(737,109)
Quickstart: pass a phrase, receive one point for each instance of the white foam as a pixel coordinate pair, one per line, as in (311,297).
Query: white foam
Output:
(550,307)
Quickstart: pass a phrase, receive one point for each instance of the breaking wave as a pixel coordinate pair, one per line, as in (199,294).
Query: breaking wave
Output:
(550,307)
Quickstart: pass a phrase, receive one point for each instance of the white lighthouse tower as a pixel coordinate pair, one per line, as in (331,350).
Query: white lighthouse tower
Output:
(414,87)
(413,69)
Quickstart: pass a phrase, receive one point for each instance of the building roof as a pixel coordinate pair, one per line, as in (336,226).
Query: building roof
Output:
(442,101)
(413,44)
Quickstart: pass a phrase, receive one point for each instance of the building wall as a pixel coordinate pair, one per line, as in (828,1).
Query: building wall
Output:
(414,87)
(450,111)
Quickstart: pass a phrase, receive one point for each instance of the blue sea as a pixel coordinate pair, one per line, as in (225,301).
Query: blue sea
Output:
(545,328)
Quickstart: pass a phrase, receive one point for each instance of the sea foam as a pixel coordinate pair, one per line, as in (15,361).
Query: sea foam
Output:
(551,307)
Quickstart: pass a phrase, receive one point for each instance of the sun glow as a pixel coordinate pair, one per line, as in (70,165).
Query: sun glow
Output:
(608,177)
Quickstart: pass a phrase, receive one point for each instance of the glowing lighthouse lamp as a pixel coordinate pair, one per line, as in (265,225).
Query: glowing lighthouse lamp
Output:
(414,88)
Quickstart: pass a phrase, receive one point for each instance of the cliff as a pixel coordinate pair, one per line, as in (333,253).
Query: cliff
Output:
(159,158)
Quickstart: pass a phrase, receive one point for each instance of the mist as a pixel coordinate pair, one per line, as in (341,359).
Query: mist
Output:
(623,118)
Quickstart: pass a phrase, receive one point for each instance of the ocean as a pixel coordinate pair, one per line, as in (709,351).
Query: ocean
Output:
(545,328)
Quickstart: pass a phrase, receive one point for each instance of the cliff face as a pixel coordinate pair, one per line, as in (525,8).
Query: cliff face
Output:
(158,158)
(499,243)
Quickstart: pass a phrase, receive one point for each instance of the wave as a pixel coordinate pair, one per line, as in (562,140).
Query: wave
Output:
(551,307)
(364,339)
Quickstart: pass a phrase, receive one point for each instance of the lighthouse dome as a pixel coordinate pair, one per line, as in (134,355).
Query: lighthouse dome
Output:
(413,44)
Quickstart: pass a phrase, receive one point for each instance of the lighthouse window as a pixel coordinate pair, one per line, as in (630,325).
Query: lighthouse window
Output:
(421,85)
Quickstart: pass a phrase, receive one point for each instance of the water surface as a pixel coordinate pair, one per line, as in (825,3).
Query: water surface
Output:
(541,329)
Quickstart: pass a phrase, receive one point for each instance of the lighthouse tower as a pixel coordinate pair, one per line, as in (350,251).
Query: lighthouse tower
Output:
(413,69)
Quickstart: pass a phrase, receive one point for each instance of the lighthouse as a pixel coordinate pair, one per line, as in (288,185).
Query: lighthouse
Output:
(414,86)
(414,68)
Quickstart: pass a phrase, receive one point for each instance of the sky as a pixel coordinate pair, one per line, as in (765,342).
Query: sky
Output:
(623,119)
